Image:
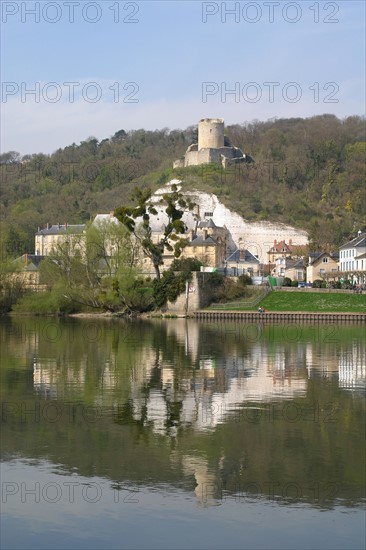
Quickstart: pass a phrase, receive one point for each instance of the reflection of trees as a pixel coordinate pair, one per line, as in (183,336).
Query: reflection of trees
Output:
(130,366)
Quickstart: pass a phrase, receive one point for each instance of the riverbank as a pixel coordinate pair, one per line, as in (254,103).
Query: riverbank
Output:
(281,316)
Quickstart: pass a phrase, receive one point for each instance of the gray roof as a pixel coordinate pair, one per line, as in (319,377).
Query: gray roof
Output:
(211,223)
(358,241)
(30,261)
(208,223)
(317,255)
(290,263)
(198,241)
(242,256)
(59,229)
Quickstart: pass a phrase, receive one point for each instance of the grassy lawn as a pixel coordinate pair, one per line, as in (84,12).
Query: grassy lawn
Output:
(314,301)
(304,301)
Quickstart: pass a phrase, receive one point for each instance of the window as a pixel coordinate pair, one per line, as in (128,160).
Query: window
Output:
(325,260)
(208,214)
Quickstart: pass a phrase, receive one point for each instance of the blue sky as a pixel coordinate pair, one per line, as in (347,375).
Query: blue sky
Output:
(167,64)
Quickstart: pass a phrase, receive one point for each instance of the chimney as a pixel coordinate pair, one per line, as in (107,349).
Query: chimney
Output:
(204,234)
(48,225)
(191,234)
(241,255)
(65,225)
(26,259)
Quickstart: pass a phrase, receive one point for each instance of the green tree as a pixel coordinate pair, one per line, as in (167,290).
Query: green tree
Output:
(97,269)
(175,205)
(11,285)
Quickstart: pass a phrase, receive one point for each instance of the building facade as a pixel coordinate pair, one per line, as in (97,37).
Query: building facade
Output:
(352,259)
(51,237)
(322,266)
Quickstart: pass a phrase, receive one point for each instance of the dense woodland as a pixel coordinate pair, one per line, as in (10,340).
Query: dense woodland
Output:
(306,172)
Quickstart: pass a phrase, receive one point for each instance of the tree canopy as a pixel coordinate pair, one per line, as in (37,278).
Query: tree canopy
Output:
(309,173)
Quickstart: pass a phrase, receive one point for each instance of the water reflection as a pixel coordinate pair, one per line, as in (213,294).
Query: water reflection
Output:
(205,387)
(214,408)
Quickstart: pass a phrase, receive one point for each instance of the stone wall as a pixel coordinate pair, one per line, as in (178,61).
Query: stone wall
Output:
(200,293)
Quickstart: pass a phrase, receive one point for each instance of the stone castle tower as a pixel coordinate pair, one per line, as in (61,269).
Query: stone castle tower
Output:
(212,146)
(211,133)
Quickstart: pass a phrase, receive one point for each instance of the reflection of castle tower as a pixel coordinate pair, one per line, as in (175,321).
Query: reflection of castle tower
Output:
(207,490)
(212,146)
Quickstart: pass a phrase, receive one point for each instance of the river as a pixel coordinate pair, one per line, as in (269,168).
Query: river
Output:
(175,433)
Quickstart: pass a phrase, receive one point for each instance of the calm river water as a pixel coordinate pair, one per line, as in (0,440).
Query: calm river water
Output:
(181,434)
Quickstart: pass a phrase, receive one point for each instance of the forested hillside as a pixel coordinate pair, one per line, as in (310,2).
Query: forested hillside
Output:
(309,173)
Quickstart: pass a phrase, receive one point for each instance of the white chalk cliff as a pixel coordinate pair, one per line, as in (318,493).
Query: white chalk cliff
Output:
(257,237)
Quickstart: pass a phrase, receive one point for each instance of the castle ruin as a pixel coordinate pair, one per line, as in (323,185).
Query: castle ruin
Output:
(212,146)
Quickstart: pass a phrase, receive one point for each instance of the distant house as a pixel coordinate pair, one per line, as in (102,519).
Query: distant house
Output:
(293,268)
(243,262)
(322,266)
(27,271)
(283,250)
(208,250)
(352,259)
(52,236)
(208,244)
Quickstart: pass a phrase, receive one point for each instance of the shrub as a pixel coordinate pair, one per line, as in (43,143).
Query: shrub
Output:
(48,302)
(245,280)
(286,281)
(295,282)
(169,286)
(186,264)
(334,284)
(347,285)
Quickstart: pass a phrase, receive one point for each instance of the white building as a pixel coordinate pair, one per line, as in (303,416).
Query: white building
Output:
(352,259)
(48,239)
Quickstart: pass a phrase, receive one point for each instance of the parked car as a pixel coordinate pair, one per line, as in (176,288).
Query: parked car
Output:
(303,284)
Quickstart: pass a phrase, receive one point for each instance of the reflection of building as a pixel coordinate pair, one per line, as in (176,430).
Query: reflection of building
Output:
(352,368)
(45,378)
(221,388)
(189,375)
(207,489)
